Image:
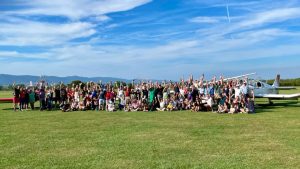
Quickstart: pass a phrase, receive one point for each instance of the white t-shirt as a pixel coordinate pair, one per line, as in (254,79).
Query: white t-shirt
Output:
(121,93)
(244,90)
(201,90)
(110,107)
(76,96)
(237,92)
(162,104)
(210,101)
(181,92)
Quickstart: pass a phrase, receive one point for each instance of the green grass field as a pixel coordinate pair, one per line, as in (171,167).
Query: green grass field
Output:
(33,139)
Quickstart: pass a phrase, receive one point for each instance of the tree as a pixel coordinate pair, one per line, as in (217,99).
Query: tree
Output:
(77,82)
(119,83)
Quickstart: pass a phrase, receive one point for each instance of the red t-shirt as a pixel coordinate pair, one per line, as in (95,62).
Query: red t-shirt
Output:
(127,93)
(22,94)
(112,95)
(107,95)
(70,93)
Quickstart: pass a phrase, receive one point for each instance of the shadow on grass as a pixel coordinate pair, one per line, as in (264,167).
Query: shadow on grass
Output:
(266,107)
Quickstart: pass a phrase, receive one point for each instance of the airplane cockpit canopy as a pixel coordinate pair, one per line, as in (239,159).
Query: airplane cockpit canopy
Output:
(258,84)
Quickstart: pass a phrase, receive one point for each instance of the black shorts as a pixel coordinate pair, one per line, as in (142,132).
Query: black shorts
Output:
(56,99)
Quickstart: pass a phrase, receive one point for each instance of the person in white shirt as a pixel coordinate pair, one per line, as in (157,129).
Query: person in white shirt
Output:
(161,105)
(209,103)
(237,90)
(76,94)
(244,89)
(111,106)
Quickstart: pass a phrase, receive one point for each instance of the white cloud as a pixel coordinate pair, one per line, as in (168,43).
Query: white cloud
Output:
(76,9)
(246,37)
(24,32)
(256,23)
(102,18)
(27,32)
(275,15)
(18,55)
(263,52)
(8,53)
(161,61)
(206,19)
(114,25)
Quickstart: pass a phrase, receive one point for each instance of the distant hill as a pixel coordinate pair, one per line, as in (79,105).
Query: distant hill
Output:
(6,79)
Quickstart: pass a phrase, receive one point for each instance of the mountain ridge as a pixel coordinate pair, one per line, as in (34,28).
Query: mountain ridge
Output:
(6,79)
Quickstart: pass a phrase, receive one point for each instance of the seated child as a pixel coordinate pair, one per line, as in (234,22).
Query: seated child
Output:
(74,105)
(161,105)
(81,106)
(111,106)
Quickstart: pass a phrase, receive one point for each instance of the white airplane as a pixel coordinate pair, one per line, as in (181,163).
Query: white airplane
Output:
(264,90)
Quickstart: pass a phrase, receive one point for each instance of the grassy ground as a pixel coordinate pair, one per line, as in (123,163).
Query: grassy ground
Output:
(33,139)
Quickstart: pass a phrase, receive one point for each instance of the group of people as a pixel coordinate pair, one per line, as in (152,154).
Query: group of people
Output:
(231,96)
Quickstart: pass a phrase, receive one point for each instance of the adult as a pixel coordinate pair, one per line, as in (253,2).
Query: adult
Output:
(16,99)
(22,98)
(42,97)
(57,98)
(31,99)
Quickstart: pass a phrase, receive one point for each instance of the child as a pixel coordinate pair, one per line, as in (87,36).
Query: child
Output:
(196,105)
(244,108)
(170,106)
(65,107)
(95,103)
(232,109)
(209,103)
(110,106)
(145,106)
(49,101)
(87,102)
(122,103)
(161,105)
(101,99)
(135,105)
(81,106)
(75,105)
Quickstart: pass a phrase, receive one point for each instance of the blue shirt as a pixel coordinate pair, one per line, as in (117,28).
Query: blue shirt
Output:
(244,90)
(211,90)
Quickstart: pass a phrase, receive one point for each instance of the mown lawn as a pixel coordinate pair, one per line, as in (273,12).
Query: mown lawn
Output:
(33,139)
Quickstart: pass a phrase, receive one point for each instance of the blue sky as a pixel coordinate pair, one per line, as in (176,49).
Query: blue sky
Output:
(157,39)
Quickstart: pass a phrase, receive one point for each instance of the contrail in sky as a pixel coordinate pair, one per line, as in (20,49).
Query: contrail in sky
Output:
(228,15)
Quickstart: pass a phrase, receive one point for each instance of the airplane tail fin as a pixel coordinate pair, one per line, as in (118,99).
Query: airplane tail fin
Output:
(276,81)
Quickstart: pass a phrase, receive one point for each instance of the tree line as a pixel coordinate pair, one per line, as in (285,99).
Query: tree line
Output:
(286,82)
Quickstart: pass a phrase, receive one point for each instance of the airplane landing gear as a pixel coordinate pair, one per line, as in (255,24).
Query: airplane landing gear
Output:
(270,102)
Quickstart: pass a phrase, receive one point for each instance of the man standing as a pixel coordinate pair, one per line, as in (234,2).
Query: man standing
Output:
(63,95)
(151,94)
(42,97)
(57,98)
(31,99)
(16,96)
(244,89)
(194,93)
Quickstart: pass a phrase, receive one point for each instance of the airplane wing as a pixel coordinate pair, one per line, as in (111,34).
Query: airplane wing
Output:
(6,100)
(279,96)
(285,87)
(238,77)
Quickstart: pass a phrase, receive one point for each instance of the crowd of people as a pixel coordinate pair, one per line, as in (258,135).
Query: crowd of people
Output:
(230,96)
